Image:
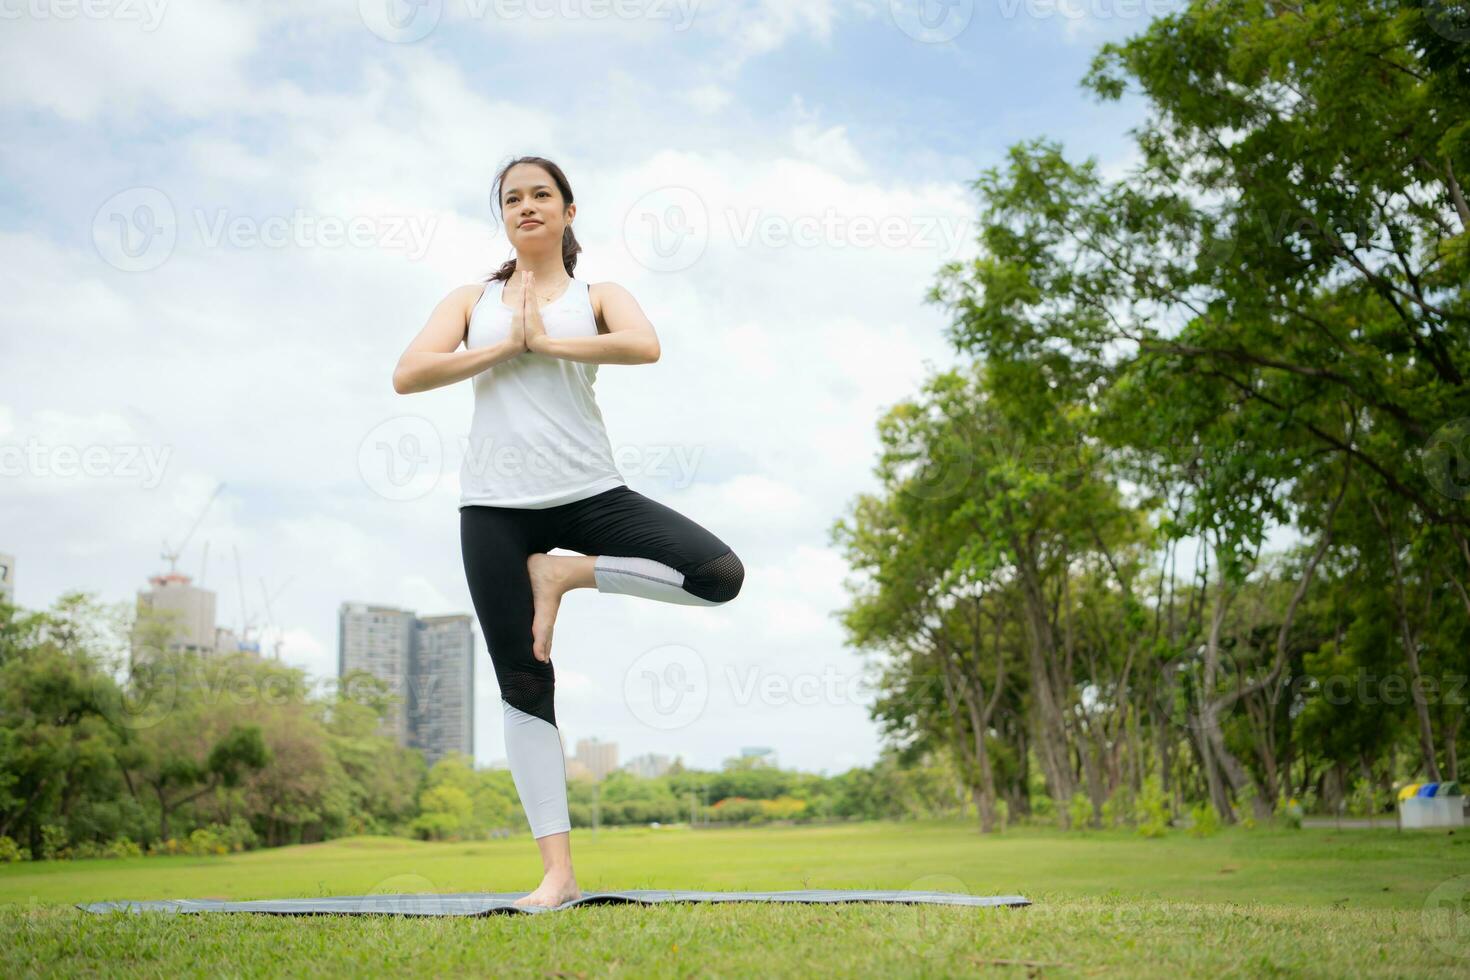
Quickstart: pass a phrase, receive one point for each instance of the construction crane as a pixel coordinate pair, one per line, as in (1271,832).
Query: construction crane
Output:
(270,616)
(246,623)
(171,555)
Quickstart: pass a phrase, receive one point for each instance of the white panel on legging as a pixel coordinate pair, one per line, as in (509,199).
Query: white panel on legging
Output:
(644,577)
(538,767)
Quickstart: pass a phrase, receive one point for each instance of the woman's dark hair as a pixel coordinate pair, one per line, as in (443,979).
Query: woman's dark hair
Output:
(569,245)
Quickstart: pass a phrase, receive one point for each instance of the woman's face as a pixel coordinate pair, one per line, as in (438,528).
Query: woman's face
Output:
(531,206)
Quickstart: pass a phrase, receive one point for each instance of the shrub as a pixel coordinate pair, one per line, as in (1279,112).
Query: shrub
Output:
(435,826)
(1289,813)
(123,847)
(1043,806)
(237,835)
(1205,820)
(1079,811)
(1153,809)
(1117,809)
(53,842)
(205,841)
(11,852)
(1002,814)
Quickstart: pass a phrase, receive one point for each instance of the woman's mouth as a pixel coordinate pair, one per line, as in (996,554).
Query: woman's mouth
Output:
(527,224)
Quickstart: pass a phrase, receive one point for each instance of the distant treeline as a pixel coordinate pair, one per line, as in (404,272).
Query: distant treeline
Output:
(1263,325)
(103,753)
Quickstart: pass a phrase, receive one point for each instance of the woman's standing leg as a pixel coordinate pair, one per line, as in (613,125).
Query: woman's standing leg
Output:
(495,543)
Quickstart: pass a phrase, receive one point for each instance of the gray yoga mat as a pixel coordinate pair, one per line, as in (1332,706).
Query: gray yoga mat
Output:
(488,903)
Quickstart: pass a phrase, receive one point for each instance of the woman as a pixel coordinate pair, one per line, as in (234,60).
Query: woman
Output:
(539,474)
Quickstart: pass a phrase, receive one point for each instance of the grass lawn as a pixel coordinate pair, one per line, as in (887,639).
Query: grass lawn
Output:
(1243,903)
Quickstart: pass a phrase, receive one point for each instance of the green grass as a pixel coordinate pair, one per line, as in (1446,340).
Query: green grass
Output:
(1245,903)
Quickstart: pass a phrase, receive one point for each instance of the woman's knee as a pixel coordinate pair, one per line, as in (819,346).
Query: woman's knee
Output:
(525,683)
(717,580)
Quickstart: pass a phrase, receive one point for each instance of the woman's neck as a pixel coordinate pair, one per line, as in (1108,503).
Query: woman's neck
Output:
(550,271)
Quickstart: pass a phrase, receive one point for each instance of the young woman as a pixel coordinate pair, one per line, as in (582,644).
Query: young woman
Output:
(539,475)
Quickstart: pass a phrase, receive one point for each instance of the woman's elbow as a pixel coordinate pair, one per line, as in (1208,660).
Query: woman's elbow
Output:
(651,355)
(401,382)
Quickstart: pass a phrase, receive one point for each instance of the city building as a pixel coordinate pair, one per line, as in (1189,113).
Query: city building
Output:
(428,664)
(378,640)
(597,757)
(189,612)
(763,754)
(442,687)
(172,597)
(650,765)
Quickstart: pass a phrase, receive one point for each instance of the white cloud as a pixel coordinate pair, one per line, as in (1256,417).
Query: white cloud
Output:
(267,367)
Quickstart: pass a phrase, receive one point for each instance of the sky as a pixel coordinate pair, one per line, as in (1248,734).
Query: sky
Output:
(221,223)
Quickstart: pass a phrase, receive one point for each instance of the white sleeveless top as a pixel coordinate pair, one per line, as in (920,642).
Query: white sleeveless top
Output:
(537,437)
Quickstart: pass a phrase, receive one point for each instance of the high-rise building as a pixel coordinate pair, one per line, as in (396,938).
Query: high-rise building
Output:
(428,664)
(187,608)
(442,687)
(378,640)
(7,577)
(599,757)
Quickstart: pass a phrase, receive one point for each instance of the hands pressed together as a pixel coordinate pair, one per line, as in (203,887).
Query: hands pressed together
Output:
(526,325)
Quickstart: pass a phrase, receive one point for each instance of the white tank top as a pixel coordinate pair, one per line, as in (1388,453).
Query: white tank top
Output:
(537,437)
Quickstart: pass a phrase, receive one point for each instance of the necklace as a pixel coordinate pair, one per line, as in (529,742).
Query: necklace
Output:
(547,299)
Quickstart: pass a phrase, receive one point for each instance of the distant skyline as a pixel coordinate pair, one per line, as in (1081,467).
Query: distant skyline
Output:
(220,226)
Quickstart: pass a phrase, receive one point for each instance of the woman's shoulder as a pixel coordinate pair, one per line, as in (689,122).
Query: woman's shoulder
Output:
(600,291)
(469,294)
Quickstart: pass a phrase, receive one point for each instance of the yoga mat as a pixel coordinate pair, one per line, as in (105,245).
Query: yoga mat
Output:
(488,903)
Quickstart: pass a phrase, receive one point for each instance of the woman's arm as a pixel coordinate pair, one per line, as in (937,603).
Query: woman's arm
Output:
(630,338)
(433,359)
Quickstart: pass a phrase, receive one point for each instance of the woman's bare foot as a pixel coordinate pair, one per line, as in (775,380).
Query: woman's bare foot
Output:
(557,887)
(547,588)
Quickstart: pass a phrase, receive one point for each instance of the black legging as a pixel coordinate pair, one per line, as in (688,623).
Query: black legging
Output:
(496,542)
(642,548)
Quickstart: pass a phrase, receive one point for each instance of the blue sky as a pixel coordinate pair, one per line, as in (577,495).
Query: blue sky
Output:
(266,366)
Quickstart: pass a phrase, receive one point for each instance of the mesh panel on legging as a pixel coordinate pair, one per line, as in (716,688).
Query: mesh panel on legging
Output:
(531,689)
(718,579)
